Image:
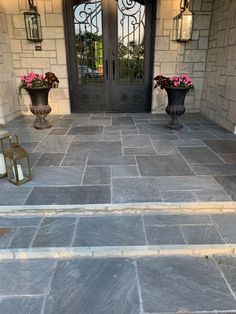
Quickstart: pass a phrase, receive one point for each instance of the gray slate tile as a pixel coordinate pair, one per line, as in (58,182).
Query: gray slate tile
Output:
(95,149)
(188,143)
(201,135)
(173,165)
(228,183)
(222,146)
(165,147)
(162,220)
(54,144)
(125,171)
(117,121)
(85,130)
(69,195)
(226,224)
(73,161)
(129,190)
(217,169)
(97,175)
(58,131)
(109,161)
(208,195)
(51,176)
(228,157)
(55,232)
(178,196)
(136,141)
(6,235)
(199,155)
(23,237)
(109,231)
(139,151)
(50,159)
(227,265)
(19,222)
(164,235)
(174,284)
(64,123)
(202,235)
(21,305)
(25,277)
(20,194)
(101,286)
(153,129)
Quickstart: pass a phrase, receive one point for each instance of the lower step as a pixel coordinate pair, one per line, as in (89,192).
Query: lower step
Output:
(118,251)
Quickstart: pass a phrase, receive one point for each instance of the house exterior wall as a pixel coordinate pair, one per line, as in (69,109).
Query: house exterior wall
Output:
(219,95)
(172,57)
(9,106)
(52,57)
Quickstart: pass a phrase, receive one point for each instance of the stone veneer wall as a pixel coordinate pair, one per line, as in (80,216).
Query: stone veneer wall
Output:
(9,106)
(172,57)
(219,96)
(51,58)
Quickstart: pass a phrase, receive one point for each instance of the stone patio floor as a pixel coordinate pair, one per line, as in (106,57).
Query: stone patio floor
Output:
(124,158)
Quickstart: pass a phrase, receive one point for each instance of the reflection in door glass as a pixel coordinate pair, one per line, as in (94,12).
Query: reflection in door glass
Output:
(89,41)
(131,23)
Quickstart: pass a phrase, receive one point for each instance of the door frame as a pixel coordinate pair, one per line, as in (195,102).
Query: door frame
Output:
(69,31)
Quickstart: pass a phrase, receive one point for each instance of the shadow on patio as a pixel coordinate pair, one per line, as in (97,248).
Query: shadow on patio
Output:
(124,158)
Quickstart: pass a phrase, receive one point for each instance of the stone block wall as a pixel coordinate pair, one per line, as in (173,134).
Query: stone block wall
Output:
(219,95)
(172,57)
(52,57)
(9,105)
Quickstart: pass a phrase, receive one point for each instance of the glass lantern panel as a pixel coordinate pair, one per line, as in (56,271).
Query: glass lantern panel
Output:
(20,167)
(186,29)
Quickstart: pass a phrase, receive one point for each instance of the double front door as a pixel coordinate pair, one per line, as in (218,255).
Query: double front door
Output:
(110,54)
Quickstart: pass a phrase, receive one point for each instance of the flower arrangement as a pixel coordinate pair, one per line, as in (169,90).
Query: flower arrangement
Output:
(34,80)
(181,81)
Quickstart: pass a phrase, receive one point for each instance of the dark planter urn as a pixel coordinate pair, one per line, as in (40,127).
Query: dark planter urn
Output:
(40,106)
(175,107)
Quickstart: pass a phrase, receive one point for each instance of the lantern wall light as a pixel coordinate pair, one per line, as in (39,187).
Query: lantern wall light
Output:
(33,23)
(183,22)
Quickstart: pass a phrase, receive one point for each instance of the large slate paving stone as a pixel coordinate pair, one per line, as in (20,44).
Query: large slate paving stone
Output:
(229,157)
(172,284)
(139,151)
(217,169)
(97,175)
(73,161)
(109,231)
(135,141)
(109,161)
(202,235)
(69,195)
(51,176)
(6,235)
(25,277)
(117,121)
(227,226)
(23,237)
(178,196)
(153,129)
(199,155)
(164,235)
(19,221)
(227,265)
(167,220)
(54,144)
(129,190)
(85,130)
(228,183)
(50,159)
(55,232)
(208,195)
(58,131)
(125,171)
(94,286)
(20,194)
(21,305)
(173,165)
(64,123)
(95,149)
(164,147)
(222,146)
(201,135)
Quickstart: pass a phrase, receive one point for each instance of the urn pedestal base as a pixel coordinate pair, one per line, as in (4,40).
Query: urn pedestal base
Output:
(41,113)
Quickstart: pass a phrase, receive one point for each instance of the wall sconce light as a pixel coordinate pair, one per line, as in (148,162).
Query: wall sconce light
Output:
(33,23)
(183,22)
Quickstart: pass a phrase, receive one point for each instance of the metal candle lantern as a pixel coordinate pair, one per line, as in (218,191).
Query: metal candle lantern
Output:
(33,23)
(184,23)
(17,162)
(4,136)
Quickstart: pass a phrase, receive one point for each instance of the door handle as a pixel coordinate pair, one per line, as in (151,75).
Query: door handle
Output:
(113,69)
(107,69)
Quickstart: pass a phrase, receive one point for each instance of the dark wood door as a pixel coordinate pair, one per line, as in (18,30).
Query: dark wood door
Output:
(110,54)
